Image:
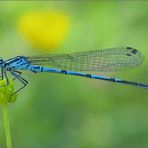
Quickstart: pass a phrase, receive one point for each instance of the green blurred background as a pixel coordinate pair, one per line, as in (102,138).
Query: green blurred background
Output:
(66,111)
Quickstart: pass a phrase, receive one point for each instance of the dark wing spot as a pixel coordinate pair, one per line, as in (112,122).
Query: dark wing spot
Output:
(129,48)
(134,51)
(128,54)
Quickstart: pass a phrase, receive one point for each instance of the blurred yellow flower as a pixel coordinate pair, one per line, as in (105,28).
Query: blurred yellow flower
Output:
(44,29)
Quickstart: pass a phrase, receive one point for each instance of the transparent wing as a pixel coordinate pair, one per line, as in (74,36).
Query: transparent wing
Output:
(111,59)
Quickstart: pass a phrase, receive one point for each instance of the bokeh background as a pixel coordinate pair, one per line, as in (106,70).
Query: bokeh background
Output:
(65,111)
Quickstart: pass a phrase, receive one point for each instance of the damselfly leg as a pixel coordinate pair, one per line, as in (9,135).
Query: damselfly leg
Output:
(4,75)
(18,72)
(17,76)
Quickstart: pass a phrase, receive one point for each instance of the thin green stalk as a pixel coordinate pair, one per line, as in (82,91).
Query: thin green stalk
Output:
(5,99)
(6,126)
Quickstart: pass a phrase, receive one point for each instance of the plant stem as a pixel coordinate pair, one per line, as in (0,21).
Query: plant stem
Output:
(7,127)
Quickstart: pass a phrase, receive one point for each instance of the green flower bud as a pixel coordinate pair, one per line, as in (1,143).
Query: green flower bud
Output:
(6,91)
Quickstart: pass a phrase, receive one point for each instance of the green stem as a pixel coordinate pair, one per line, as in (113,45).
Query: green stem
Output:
(6,124)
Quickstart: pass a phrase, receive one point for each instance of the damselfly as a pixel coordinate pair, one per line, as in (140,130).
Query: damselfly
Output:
(105,60)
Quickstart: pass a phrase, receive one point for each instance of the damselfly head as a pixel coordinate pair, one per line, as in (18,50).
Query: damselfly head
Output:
(1,62)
